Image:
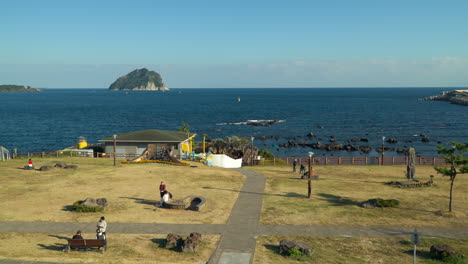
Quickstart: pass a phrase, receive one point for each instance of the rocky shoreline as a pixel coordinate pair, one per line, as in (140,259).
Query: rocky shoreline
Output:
(455,97)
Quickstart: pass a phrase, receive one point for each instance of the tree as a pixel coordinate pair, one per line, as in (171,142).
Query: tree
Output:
(458,163)
(184,127)
(264,153)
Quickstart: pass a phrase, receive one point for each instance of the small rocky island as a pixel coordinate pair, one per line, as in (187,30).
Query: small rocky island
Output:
(454,97)
(10,88)
(139,80)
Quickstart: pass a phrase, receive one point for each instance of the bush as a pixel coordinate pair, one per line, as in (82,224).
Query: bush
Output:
(296,254)
(387,203)
(79,207)
(265,153)
(454,260)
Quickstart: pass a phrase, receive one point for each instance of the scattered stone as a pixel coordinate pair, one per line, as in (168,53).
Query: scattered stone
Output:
(392,140)
(71,167)
(45,168)
(425,139)
(332,140)
(192,242)
(173,241)
(311,135)
(441,251)
(90,202)
(60,165)
(286,245)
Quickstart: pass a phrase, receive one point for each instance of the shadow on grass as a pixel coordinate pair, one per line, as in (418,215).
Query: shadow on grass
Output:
(68,208)
(424,254)
(350,180)
(161,243)
(54,247)
(336,200)
(273,248)
(289,194)
(60,237)
(141,201)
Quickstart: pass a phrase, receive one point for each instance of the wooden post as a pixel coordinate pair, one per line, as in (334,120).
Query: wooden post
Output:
(367,160)
(71,153)
(57,153)
(393,160)
(274,161)
(16,153)
(309,183)
(339,161)
(42,154)
(433,160)
(29,156)
(419,160)
(326,160)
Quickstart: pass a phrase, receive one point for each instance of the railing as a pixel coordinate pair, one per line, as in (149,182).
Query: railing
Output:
(336,161)
(74,154)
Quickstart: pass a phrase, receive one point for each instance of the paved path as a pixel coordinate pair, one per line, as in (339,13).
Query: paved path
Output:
(237,243)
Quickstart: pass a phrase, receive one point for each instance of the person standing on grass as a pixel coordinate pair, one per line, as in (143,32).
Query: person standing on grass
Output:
(302,170)
(100,235)
(294,165)
(162,189)
(102,225)
(30,163)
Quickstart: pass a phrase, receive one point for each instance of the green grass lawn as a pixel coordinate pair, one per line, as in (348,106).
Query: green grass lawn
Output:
(336,196)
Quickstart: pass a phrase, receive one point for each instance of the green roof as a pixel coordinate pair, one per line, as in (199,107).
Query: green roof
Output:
(150,135)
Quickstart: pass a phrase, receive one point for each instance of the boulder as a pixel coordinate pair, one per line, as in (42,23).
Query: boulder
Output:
(60,165)
(192,242)
(45,168)
(286,245)
(392,140)
(102,202)
(441,251)
(89,202)
(173,241)
(372,203)
(425,139)
(71,167)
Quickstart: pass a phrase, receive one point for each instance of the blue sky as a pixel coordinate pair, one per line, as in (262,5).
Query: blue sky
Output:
(87,44)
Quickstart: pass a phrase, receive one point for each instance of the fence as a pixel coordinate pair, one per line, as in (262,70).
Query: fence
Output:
(336,161)
(74,154)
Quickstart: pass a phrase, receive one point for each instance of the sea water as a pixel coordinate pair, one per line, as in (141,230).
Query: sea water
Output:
(54,119)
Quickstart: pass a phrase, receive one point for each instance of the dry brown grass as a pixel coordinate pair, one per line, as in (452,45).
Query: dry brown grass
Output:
(354,250)
(336,195)
(122,248)
(131,189)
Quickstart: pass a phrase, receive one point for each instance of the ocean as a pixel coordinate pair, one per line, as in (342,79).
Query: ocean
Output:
(54,119)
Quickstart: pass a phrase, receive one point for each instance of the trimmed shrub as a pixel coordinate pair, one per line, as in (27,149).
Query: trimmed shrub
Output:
(82,208)
(387,203)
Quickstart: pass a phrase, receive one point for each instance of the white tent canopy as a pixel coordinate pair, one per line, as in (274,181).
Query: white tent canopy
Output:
(223,161)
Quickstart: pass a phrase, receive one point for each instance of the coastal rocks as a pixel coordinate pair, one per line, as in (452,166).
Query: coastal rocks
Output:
(264,123)
(425,139)
(358,140)
(311,135)
(192,242)
(173,241)
(392,140)
(286,245)
(455,97)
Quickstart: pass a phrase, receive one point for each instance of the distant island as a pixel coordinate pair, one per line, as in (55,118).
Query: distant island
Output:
(454,97)
(9,88)
(140,80)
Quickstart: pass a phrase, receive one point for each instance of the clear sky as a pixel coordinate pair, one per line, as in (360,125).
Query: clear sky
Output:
(88,44)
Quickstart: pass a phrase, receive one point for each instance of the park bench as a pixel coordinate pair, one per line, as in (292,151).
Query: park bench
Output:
(86,243)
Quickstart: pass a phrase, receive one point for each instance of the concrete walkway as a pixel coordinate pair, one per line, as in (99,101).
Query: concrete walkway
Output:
(237,243)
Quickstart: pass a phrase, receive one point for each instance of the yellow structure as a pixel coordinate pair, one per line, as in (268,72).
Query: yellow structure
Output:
(82,143)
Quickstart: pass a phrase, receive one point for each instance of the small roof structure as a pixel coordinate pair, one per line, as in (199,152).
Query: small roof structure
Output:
(151,135)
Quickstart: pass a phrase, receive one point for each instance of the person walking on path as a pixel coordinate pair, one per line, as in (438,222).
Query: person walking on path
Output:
(294,165)
(102,225)
(162,189)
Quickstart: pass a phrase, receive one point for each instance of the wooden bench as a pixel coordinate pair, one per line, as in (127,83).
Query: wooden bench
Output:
(86,243)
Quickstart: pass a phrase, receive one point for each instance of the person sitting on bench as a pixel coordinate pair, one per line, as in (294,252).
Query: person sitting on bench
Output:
(78,235)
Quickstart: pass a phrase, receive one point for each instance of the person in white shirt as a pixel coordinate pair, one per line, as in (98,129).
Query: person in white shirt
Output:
(166,197)
(102,225)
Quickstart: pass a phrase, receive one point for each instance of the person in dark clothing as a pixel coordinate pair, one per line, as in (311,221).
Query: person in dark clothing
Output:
(162,189)
(294,165)
(78,235)
(302,170)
